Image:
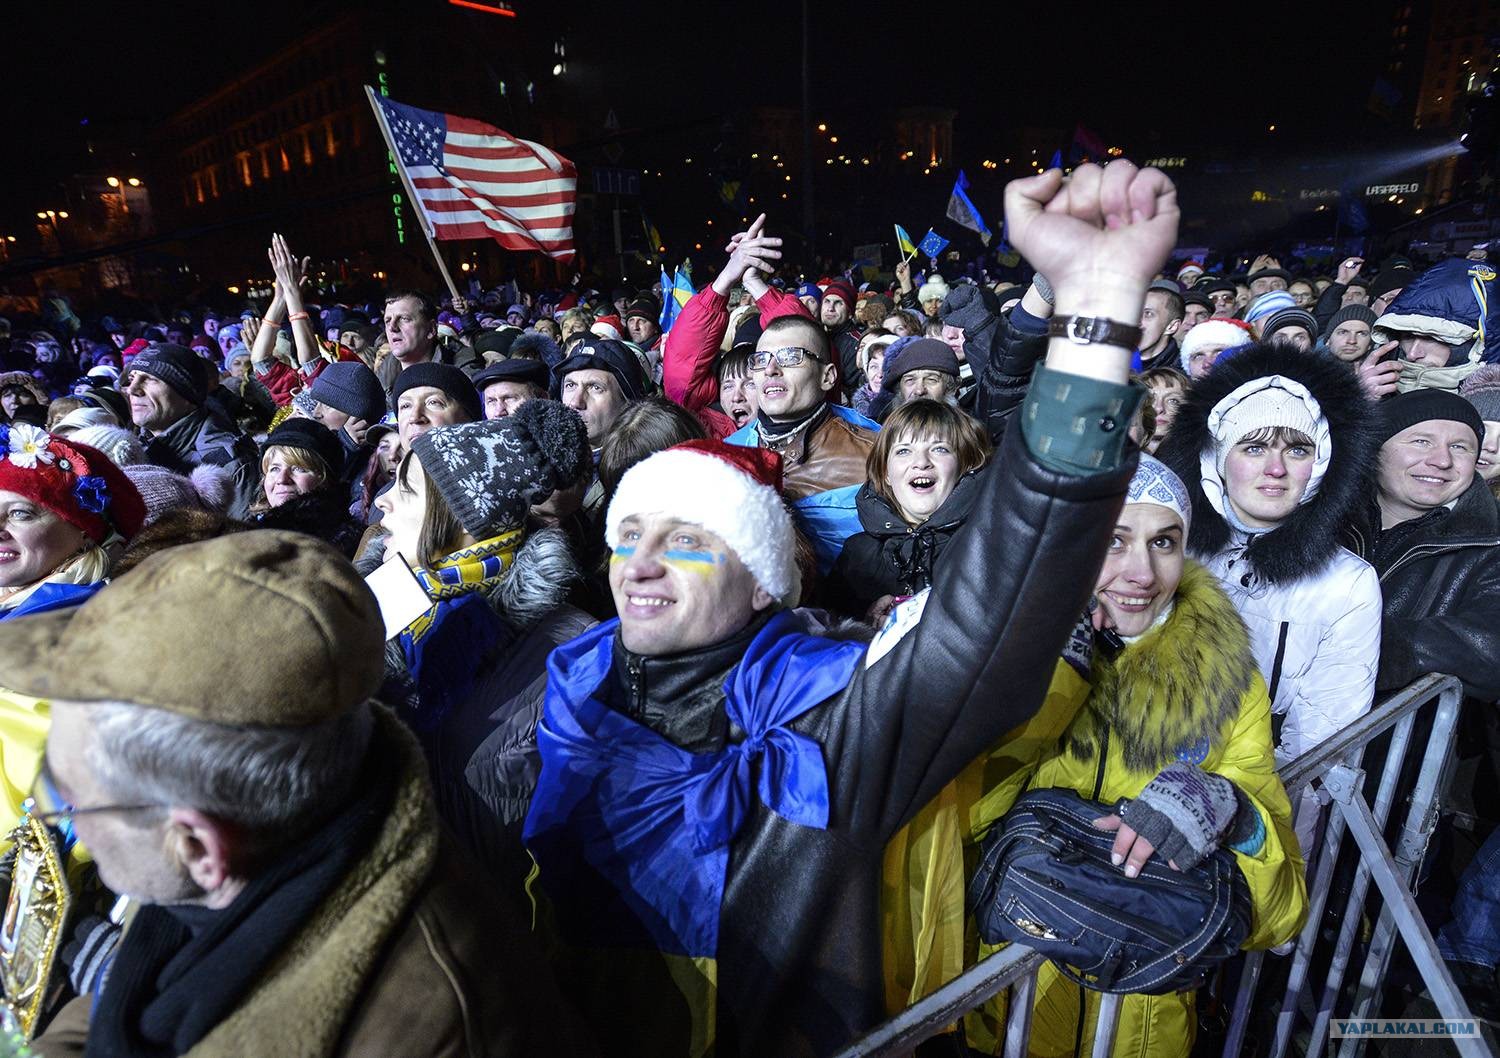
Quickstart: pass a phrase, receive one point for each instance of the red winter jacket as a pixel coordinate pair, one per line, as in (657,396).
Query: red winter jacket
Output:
(284,382)
(692,346)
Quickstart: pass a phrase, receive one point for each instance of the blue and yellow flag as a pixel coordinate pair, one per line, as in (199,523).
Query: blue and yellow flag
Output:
(675,291)
(904,243)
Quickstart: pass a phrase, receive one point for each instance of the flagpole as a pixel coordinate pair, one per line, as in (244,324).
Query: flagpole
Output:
(411,193)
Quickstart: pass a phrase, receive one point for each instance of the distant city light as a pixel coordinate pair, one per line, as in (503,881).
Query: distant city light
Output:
(112,181)
(133,182)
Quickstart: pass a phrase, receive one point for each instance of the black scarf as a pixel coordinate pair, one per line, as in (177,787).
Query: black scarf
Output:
(775,431)
(182,970)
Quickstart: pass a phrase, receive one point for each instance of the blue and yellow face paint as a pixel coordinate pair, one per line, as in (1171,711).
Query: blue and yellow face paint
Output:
(703,563)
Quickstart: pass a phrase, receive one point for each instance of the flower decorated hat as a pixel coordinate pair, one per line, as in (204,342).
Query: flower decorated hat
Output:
(77,483)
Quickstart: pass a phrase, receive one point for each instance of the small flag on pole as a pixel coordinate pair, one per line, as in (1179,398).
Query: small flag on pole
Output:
(932,243)
(904,243)
(474,181)
(961,210)
(675,292)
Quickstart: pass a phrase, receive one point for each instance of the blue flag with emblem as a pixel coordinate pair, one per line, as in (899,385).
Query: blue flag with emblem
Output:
(932,243)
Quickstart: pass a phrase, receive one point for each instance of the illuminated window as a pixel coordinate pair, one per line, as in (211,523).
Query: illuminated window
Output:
(286,163)
(307,154)
(329,145)
(265,162)
(244,165)
(213,181)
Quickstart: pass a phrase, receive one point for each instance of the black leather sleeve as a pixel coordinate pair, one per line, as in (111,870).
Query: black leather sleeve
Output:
(1009,591)
(1009,360)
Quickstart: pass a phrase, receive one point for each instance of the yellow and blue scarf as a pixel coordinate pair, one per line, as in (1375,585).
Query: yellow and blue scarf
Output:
(442,646)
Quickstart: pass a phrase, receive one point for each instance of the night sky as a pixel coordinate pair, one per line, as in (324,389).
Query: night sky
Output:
(1142,74)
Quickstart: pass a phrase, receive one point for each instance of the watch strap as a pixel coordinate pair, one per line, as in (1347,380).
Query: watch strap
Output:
(1095,330)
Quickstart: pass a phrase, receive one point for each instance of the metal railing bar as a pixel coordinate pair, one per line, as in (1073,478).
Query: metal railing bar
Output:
(947,1004)
(1297,773)
(1343,784)
(1018,1018)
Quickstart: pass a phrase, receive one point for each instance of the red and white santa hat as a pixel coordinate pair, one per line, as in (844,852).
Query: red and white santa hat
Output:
(732,491)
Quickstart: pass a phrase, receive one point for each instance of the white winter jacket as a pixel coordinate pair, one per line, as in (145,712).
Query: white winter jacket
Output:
(1316,640)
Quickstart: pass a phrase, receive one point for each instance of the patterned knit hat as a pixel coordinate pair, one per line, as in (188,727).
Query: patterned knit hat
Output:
(122,446)
(730,490)
(209,488)
(79,484)
(1268,303)
(491,473)
(1154,482)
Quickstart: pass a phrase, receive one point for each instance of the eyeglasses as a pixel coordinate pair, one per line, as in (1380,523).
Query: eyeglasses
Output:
(46,806)
(791,356)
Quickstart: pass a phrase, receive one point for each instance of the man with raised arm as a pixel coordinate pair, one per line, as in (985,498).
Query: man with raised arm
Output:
(718,785)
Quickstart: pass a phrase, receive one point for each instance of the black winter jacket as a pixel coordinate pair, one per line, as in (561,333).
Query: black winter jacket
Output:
(200,437)
(890,557)
(1440,575)
(1004,358)
(799,955)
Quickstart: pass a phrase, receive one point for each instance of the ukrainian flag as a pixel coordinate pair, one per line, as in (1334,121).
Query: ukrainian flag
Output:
(904,243)
(675,291)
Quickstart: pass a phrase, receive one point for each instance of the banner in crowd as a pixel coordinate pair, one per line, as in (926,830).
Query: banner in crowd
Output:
(474,181)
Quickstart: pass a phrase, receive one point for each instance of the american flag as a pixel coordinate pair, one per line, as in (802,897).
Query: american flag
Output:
(474,181)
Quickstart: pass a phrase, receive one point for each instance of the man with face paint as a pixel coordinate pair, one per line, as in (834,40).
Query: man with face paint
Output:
(656,845)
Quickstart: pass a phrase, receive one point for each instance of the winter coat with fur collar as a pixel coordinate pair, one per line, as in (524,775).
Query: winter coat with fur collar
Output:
(1186,690)
(1312,607)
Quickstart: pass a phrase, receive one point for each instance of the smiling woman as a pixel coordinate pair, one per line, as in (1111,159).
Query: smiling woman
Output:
(922,477)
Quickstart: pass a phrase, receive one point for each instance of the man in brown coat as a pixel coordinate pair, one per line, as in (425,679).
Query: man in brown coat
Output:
(276,828)
(822,445)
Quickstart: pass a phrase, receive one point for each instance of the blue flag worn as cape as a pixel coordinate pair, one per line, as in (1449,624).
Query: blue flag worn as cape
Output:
(632,832)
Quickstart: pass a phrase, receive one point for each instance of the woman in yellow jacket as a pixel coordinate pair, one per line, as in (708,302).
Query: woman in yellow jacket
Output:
(1178,722)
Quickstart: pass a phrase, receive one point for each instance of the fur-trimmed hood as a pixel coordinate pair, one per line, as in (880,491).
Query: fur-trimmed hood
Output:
(1178,686)
(1308,539)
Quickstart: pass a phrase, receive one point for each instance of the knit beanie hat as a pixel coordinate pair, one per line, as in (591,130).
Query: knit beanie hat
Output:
(1362,313)
(1292,317)
(1228,334)
(443,377)
(1263,403)
(1390,279)
(78,418)
(840,288)
(208,488)
(936,287)
(1154,482)
(810,290)
(122,446)
(1482,389)
(79,484)
(491,473)
(920,354)
(732,491)
(309,436)
(174,365)
(351,388)
(233,353)
(1270,302)
(1405,410)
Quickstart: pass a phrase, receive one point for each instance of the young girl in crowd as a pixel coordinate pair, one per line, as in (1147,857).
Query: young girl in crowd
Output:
(921,481)
(300,488)
(468,674)
(1276,451)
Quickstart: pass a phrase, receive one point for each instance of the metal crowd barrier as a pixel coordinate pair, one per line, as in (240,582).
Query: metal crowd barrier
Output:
(1334,766)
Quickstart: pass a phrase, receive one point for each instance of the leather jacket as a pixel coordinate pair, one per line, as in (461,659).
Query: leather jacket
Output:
(799,949)
(829,454)
(1440,577)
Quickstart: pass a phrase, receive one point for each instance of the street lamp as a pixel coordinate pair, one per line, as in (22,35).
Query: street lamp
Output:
(134,182)
(112,181)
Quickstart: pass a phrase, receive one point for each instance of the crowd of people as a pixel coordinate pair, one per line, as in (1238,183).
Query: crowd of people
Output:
(719,649)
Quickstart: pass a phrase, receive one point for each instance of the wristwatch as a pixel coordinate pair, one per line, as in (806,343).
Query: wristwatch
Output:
(1095,330)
